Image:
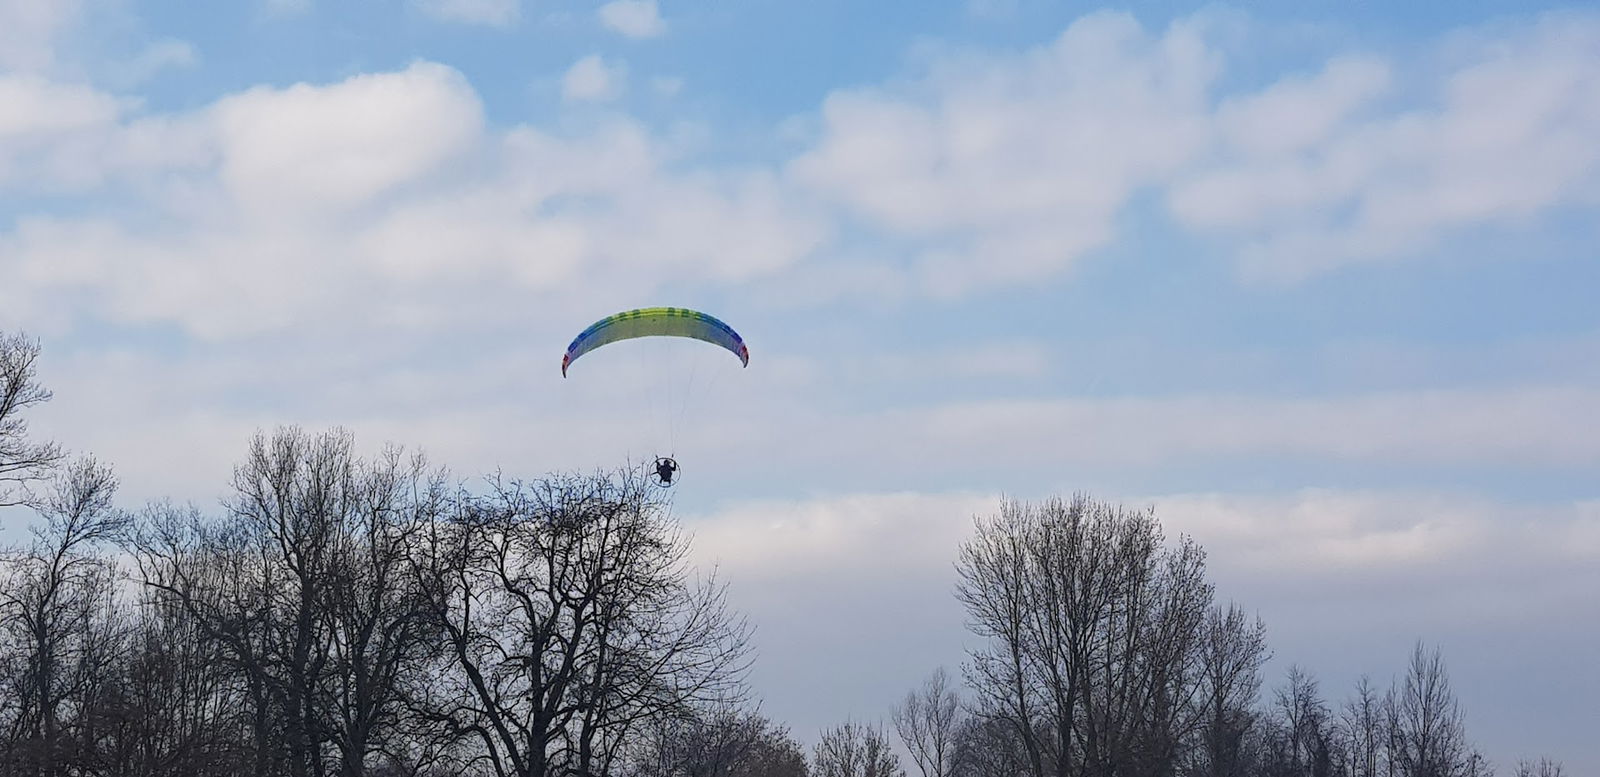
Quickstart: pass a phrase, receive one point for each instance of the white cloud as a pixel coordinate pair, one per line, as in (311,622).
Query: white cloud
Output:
(373,202)
(242,190)
(998,170)
(834,541)
(1321,534)
(53,135)
(1298,114)
(921,366)
(1316,173)
(60,137)
(494,13)
(308,149)
(34,106)
(32,30)
(1301,539)
(632,18)
(1016,166)
(804,432)
(1528,425)
(592,79)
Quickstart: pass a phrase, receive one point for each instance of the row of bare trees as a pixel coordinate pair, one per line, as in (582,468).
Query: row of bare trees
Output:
(1104,655)
(354,617)
(1413,728)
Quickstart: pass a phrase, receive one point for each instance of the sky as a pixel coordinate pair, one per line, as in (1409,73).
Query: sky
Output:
(1313,280)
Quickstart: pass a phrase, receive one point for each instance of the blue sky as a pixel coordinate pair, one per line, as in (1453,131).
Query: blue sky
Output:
(1316,280)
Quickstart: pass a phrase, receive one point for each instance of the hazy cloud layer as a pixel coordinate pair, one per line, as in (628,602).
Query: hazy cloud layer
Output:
(798,413)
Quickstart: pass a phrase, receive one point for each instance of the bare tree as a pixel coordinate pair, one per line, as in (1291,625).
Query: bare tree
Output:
(1362,723)
(986,746)
(21,459)
(775,754)
(855,750)
(1544,767)
(1427,737)
(1093,631)
(1305,717)
(570,619)
(305,587)
(722,741)
(995,566)
(1233,650)
(376,615)
(56,606)
(170,707)
(926,721)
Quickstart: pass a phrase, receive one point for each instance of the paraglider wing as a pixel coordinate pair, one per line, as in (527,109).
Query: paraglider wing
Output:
(655,322)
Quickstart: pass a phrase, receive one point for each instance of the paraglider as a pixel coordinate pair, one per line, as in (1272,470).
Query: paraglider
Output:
(655,322)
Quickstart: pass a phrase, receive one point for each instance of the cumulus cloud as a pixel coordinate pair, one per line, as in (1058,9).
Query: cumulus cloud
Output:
(999,169)
(494,13)
(34,106)
(1315,173)
(52,135)
(592,79)
(308,149)
(632,18)
(987,170)
(1006,169)
(260,212)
